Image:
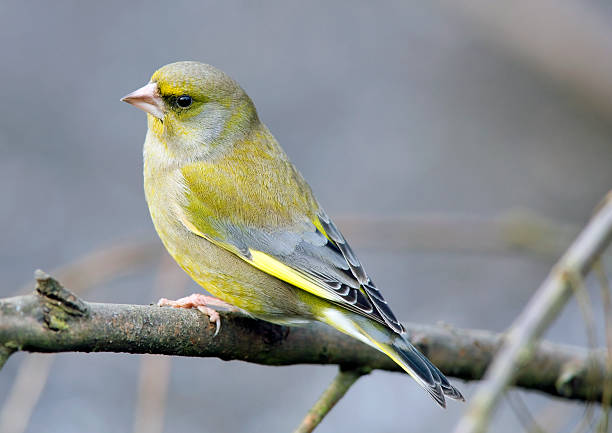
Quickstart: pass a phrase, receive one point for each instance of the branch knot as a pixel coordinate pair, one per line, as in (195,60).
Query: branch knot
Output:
(59,304)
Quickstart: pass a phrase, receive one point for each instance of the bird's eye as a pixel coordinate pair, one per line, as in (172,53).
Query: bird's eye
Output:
(184,101)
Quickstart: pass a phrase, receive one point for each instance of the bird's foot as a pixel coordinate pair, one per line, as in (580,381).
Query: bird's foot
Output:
(202,303)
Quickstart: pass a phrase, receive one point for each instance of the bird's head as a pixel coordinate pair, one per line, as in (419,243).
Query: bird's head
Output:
(193,107)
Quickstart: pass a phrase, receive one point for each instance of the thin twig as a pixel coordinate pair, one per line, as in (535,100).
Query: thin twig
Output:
(513,231)
(607,307)
(523,413)
(538,314)
(334,392)
(584,305)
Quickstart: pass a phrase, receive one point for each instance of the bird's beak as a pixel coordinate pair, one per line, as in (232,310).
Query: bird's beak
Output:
(147,98)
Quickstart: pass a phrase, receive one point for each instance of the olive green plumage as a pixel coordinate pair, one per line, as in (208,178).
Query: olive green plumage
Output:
(240,219)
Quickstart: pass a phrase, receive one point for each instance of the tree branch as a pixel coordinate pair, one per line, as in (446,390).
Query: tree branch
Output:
(94,268)
(541,310)
(332,395)
(54,320)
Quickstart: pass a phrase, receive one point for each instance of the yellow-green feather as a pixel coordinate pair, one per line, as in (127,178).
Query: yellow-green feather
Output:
(253,184)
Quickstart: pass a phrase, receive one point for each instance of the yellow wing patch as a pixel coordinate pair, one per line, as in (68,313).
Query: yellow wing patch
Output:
(269,265)
(274,267)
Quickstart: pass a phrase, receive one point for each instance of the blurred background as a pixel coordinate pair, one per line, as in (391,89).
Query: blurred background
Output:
(478,137)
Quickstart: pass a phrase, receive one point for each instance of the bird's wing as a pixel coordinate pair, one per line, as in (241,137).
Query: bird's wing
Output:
(315,258)
(281,230)
(362,294)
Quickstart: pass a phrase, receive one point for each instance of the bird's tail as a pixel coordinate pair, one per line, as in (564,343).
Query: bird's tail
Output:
(421,369)
(399,349)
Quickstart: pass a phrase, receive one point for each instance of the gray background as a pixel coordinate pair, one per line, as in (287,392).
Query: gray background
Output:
(387,109)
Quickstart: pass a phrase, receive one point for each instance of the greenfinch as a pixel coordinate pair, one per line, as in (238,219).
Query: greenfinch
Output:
(240,219)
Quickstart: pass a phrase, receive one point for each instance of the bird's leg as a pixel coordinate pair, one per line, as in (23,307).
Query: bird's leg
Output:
(202,303)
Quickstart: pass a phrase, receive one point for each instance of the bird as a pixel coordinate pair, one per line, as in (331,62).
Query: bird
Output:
(239,218)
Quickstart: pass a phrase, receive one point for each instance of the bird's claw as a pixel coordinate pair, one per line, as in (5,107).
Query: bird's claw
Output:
(200,302)
(213,317)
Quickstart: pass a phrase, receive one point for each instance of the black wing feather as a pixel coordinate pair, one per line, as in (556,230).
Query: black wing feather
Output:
(371,300)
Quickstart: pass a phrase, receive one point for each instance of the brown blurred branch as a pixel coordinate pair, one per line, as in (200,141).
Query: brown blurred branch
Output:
(103,264)
(518,230)
(55,320)
(567,41)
